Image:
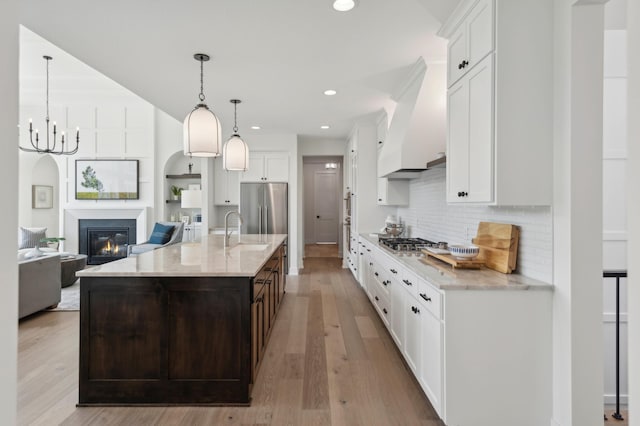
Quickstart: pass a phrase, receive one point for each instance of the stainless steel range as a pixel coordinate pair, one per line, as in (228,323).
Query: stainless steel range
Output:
(407,246)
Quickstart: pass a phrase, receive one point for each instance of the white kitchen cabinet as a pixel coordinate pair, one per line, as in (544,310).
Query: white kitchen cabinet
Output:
(499,121)
(267,167)
(431,368)
(454,343)
(398,317)
(470,141)
(472,41)
(413,313)
(226,185)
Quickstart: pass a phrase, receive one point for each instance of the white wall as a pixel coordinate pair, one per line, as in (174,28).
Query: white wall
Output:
(429,216)
(577,214)
(45,172)
(8,173)
(614,206)
(633,211)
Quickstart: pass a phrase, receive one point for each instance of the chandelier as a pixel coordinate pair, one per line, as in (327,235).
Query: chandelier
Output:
(202,131)
(236,151)
(50,147)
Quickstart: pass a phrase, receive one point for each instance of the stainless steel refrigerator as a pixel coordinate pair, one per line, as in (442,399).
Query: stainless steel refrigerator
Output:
(264,208)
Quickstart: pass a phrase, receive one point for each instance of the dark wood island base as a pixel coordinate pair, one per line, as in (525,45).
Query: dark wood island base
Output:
(176,340)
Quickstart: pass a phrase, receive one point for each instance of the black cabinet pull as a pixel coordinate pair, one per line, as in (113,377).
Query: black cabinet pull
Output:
(424,296)
(407,282)
(384,310)
(376,297)
(465,63)
(379,199)
(415,310)
(370,263)
(368,249)
(460,66)
(375,273)
(379,142)
(394,271)
(385,283)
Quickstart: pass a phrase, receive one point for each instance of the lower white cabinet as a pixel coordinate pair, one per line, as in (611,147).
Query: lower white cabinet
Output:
(482,357)
(430,373)
(412,337)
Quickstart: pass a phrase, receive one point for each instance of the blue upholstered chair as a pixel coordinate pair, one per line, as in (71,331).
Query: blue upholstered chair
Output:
(159,238)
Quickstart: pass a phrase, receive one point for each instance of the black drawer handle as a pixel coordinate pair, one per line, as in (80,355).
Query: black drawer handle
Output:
(370,263)
(376,297)
(424,296)
(384,310)
(394,271)
(415,310)
(375,273)
(407,282)
(385,283)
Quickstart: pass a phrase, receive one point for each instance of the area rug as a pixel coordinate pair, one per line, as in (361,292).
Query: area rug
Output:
(70,298)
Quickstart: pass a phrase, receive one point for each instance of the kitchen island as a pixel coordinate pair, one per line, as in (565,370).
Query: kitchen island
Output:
(184,324)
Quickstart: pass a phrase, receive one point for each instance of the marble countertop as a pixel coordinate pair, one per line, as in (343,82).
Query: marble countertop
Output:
(206,257)
(444,277)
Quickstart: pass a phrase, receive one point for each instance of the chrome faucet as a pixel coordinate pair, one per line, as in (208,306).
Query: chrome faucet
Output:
(227,233)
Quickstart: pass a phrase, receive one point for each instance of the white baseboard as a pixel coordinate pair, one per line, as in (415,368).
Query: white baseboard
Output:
(610,399)
(293,271)
(555,423)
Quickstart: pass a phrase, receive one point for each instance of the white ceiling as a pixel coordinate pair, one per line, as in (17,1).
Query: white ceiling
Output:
(277,56)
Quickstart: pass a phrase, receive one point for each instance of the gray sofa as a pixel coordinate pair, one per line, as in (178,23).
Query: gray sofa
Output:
(39,284)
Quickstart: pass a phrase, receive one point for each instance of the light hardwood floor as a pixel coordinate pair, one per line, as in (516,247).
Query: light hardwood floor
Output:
(329,361)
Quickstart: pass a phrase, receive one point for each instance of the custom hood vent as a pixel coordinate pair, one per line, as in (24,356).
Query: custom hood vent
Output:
(418,127)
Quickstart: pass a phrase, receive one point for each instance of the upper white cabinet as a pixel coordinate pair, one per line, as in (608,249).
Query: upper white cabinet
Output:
(500,103)
(472,41)
(226,185)
(470,129)
(267,167)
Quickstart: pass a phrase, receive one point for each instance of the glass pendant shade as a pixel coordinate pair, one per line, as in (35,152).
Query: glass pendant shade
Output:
(236,154)
(202,133)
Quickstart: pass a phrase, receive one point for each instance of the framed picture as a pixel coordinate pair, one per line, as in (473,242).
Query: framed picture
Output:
(185,219)
(107,180)
(41,197)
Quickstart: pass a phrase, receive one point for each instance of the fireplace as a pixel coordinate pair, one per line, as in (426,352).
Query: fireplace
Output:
(105,240)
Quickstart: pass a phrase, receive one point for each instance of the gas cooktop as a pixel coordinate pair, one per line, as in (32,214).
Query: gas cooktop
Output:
(407,245)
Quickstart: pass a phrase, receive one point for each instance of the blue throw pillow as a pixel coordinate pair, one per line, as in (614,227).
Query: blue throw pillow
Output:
(161,234)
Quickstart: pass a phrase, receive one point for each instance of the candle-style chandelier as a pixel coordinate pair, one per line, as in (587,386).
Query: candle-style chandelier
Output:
(50,147)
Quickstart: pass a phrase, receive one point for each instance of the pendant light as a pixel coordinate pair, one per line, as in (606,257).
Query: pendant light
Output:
(236,151)
(50,147)
(202,132)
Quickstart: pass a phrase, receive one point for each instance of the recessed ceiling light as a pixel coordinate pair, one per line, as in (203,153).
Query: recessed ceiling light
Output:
(255,127)
(343,5)
(330,92)
(324,127)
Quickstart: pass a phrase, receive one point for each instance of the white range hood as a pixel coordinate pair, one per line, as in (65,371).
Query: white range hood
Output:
(418,127)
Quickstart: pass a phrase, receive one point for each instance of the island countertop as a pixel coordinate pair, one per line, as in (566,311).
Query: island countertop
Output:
(207,257)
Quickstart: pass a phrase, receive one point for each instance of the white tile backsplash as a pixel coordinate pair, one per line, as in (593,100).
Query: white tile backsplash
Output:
(429,216)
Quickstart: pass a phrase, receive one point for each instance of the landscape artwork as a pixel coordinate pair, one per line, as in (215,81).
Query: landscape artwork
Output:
(107,180)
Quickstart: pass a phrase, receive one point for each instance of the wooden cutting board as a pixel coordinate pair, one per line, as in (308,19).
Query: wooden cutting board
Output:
(455,262)
(498,244)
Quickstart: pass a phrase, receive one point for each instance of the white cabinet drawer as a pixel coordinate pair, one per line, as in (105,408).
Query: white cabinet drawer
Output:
(409,281)
(430,298)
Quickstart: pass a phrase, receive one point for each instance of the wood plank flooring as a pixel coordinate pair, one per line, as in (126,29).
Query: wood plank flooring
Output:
(329,361)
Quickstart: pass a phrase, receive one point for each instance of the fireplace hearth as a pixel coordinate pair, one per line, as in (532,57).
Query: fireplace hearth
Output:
(105,240)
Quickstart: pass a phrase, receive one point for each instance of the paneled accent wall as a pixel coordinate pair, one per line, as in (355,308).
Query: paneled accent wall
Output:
(429,216)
